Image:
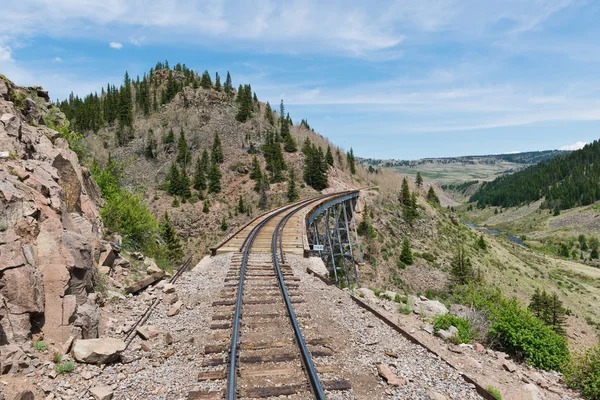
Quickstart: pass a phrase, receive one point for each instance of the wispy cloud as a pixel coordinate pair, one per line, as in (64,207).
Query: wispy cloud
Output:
(57,59)
(137,40)
(5,53)
(574,146)
(115,45)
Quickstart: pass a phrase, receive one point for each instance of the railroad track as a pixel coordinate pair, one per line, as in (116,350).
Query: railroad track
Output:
(258,348)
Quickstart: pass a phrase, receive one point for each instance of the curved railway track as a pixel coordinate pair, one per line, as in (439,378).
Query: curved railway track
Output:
(267,354)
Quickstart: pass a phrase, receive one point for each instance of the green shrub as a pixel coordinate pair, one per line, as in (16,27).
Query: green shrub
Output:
(398,298)
(520,333)
(426,256)
(400,264)
(65,367)
(57,357)
(583,373)
(494,392)
(446,321)
(405,309)
(40,345)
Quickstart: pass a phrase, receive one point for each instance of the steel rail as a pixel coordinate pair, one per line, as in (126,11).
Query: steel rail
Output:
(246,247)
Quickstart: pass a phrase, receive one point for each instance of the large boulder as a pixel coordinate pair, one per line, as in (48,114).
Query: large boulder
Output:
(97,351)
(429,308)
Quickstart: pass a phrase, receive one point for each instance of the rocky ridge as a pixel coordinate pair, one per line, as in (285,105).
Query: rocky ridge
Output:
(50,228)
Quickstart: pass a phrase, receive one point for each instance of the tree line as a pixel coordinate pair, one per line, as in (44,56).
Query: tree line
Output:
(566,181)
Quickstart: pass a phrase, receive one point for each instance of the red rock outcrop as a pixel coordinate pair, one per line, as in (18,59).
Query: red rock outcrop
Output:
(49,224)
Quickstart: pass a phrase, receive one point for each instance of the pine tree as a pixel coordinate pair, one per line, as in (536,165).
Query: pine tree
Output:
(205,208)
(199,176)
(481,243)
(461,271)
(419,180)
(432,197)
(223,224)
(594,244)
(217,150)
(536,304)
(217,82)
(169,138)
(184,185)
(205,160)
(256,173)
(329,156)
(214,178)
(205,81)
(228,87)
(405,193)
(150,148)
(406,255)
(241,208)
(351,161)
(174,180)
(263,202)
(583,242)
(292,193)
(184,155)
(174,247)
(315,166)
(269,114)
(558,317)
(274,158)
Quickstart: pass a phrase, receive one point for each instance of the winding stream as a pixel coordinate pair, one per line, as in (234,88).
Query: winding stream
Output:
(495,232)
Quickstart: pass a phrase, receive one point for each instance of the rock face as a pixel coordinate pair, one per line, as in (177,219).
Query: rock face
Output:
(49,224)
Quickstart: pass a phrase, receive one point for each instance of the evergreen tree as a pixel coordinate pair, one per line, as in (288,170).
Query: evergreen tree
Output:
(583,242)
(200,176)
(351,161)
(169,138)
(241,208)
(269,114)
(274,158)
(315,167)
(173,245)
(184,155)
(184,185)
(461,270)
(289,144)
(329,156)
(558,315)
(228,87)
(150,147)
(419,180)
(263,202)
(217,150)
(205,160)
(217,82)
(223,224)
(174,180)
(405,193)
(406,255)
(410,212)
(594,244)
(292,193)
(214,178)
(432,197)
(255,173)
(205,208)
(205,81)
(481,243)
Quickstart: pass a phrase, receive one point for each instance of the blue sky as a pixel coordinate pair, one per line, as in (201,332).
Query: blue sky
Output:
(402,79)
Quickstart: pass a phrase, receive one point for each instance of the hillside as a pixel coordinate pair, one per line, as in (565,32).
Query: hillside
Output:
(459,170)
(563,182)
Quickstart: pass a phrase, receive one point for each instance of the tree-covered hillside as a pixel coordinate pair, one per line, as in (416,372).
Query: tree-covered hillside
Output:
(566,181)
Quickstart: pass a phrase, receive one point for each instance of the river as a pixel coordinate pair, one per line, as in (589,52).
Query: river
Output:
(495,232)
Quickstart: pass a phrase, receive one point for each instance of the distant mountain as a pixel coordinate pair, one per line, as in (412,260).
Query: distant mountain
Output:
(565,181)
(529,157)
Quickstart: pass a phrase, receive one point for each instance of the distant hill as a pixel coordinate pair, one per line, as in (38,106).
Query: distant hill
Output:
(565,181)
(458,170)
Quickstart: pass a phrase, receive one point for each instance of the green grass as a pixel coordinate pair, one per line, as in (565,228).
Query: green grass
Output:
(463,326)
(40,345)
(494,392)
(65,367)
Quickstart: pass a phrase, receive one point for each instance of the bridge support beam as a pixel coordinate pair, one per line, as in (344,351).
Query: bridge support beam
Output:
(332,234)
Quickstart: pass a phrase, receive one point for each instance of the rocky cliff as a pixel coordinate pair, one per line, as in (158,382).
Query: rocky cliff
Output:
(50,227)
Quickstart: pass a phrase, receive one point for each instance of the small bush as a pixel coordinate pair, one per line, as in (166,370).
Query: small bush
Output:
(405,309)
(57,358)
(494,392)
(65,367)
(583,373)
(446,321)
(398,298)
(400,264)
(40,345)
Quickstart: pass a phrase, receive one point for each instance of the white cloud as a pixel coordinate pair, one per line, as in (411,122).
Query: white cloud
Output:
(115,45)
(5,53)
(574,146)
(137,40)
(57,59)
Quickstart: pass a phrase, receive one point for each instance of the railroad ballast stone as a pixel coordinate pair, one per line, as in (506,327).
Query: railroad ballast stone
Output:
(98,351)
